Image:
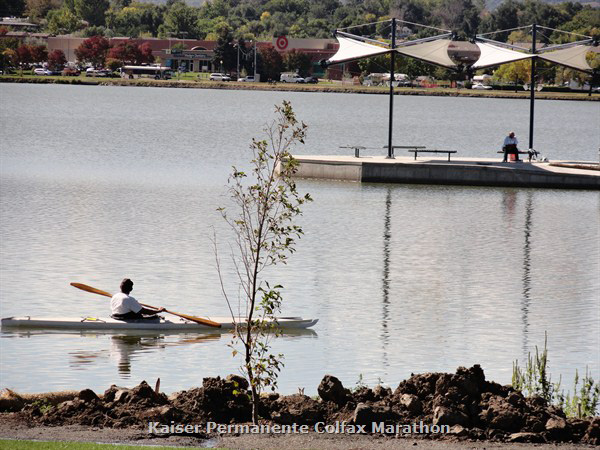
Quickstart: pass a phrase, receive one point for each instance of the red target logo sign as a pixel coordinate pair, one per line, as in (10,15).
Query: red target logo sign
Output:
(282,42)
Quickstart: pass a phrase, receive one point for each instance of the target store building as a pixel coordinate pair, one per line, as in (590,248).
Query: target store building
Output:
(199,55)
(317,49)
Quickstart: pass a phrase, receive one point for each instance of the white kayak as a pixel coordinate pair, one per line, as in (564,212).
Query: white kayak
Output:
(100,323)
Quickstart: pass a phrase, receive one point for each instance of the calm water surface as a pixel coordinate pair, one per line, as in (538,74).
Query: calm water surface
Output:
(99,183)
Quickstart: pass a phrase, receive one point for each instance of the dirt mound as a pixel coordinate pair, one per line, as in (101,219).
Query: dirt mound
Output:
(465,403)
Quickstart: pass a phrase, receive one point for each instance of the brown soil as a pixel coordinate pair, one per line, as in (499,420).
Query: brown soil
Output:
(477,413)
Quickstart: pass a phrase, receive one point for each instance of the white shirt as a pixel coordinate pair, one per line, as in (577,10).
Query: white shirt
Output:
(508,140)
(123,303)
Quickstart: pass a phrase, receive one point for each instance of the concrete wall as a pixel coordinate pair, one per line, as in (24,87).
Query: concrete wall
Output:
(474,175)
(330,170)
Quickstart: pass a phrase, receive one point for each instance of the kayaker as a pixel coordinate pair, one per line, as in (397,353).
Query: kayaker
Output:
(125,307)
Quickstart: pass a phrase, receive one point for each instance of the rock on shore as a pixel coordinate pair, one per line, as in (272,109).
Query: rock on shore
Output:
(471,408)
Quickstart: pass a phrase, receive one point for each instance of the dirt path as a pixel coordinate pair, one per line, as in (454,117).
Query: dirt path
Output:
(12,428)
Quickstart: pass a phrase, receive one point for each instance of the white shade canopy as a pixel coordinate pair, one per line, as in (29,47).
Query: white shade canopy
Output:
(573,57)
(493,55)
(434,52)
(352,49)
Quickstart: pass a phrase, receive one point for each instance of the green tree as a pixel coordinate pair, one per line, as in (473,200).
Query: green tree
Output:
(12,8)
(225,52)
(38,9)
(181,20)
(62,21)
(516,72)
(295,61)
(266,202)
(92,11)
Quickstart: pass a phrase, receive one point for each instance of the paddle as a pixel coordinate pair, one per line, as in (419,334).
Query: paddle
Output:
(210,323)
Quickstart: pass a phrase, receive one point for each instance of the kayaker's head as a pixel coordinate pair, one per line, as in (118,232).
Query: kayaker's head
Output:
(511,134)
(126,286)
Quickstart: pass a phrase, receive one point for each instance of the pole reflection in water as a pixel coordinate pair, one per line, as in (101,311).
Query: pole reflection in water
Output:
(527,268)
(387,234)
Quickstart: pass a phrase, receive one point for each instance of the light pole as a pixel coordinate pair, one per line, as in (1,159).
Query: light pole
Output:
(183,34)
(254,60)
(238,61)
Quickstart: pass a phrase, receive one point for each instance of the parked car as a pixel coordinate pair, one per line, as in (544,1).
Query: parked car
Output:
(106,73)
(70,72)
(289,77)
(312,80)
(249,79)
(219,77)
(481,86)
(103,73)
(41,71)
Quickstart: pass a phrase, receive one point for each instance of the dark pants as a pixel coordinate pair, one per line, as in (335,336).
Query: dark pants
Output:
(134,316)
(510,148)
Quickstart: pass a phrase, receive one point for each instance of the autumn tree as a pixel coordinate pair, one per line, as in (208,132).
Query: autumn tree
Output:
(22,55)
(131,53)
(269,63)
(56,59)
(38,53)
(93,51)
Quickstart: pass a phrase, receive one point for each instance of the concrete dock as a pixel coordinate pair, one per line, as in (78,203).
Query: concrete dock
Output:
(459,171)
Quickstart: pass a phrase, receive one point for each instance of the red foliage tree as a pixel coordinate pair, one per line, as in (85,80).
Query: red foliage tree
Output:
(93,51)
(39,53)
(23,55)
(56,59)
(131,53)
(269,64)
(145,53)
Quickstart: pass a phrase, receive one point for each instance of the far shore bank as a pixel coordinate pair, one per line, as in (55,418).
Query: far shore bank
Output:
(321,87)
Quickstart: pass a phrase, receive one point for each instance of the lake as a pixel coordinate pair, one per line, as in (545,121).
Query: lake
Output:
(101,183)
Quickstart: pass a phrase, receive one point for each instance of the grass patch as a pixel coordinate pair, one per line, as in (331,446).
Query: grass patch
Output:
(534,379)
(52,445)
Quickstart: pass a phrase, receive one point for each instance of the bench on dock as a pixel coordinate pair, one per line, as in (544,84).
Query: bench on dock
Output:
(531,154)
(418,150)
(406,147)
(356,148)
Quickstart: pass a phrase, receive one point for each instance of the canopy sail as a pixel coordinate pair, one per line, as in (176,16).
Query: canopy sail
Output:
(352,49)
(573,57)
(493,55)
(434,52)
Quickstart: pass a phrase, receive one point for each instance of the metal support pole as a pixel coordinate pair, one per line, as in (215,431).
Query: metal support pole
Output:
(392,62)
(238,61)
(532,87)
(255,60)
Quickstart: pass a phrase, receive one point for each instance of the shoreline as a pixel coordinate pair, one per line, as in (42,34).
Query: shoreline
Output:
(460,409)
(288,87)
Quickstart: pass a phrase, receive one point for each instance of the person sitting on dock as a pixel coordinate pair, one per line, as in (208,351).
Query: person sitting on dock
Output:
(125,307)
(510,146)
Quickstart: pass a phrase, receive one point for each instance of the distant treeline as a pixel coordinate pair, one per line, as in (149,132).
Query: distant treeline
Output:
(263,19)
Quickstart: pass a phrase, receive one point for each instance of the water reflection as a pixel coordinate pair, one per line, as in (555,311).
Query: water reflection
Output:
(387,234)
(527,269)
(124,347)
